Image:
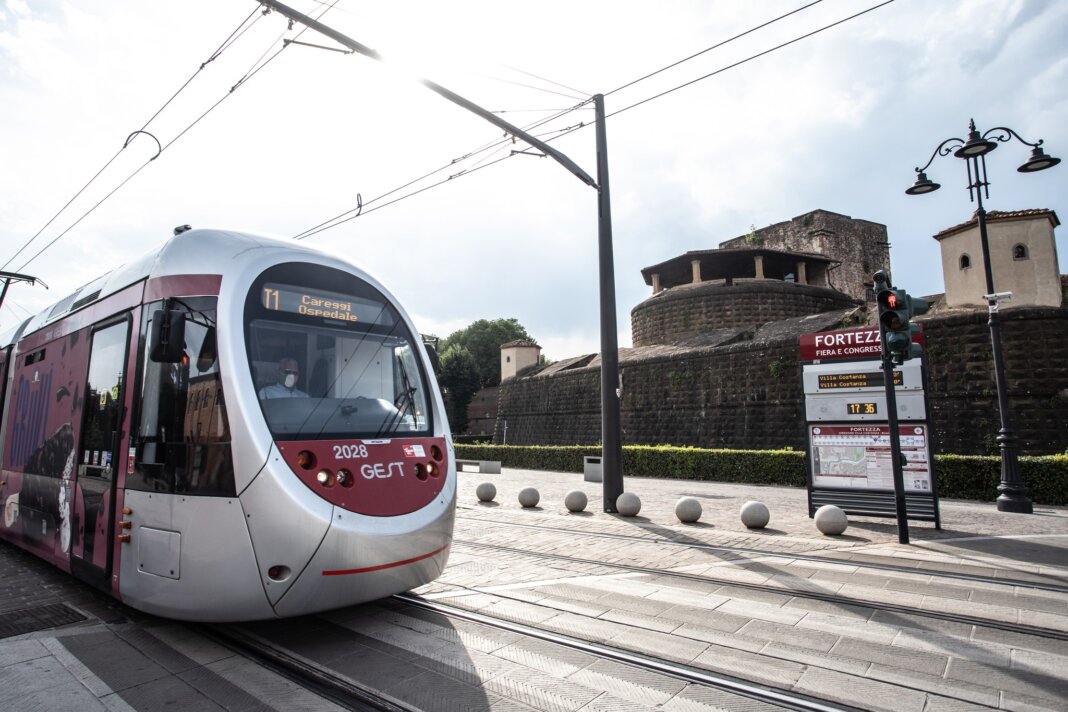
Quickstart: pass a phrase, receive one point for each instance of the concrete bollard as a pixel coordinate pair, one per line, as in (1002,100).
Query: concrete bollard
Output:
(486,492)
(575,501)
(755,515)
(688,509)
(628,504)
(528,497)
(830,520)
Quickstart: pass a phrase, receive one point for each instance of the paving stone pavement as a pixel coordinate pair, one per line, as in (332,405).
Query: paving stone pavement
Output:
(785,607)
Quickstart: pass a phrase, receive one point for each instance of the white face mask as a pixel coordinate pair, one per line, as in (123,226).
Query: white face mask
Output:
(291,380)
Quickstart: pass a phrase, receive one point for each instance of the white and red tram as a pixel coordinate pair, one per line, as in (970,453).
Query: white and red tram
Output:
(232,428)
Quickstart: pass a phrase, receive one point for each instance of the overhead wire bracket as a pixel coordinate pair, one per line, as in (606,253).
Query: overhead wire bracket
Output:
(9,277)
(286,43)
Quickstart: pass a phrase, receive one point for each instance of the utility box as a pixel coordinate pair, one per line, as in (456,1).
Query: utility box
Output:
(591,468)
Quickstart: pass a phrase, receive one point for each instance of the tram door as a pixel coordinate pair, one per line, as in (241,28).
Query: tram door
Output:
(94,496)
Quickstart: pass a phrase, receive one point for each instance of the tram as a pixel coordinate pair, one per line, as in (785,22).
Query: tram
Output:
(231,428)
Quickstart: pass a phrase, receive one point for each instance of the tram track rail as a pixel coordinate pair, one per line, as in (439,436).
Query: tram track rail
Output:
(351,695)
(783,699)
(342,691)
(746,552)
(799,593)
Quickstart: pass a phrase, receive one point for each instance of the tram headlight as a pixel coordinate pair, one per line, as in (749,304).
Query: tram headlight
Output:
(325,478)
(305,460)
(278,572)
(344,478)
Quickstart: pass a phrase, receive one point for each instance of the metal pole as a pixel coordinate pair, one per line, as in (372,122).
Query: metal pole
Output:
(611,445)
(895,441)
(1012,492)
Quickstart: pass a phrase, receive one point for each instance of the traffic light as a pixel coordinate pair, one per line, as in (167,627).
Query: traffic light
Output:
(916,307)
(896,308)
(894,321)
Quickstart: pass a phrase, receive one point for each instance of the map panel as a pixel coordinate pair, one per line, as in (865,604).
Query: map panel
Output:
(858,457)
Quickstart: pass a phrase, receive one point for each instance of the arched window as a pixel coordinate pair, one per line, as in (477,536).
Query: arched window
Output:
(1019,252)
(965,261)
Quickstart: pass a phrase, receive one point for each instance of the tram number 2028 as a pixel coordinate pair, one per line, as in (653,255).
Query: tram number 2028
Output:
(350,452)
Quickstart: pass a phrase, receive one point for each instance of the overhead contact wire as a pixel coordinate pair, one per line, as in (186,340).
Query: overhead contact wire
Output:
(715,46)
(248,75)
(751,58)
(226,43)
(360,210)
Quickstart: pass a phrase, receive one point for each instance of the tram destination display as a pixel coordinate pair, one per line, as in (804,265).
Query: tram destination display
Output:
(865,379)
(318,303)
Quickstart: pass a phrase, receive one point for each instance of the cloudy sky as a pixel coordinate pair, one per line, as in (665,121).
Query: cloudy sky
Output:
(836,121)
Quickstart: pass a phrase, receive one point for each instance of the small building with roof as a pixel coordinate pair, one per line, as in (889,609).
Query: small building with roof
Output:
(517,356)
(1023,259)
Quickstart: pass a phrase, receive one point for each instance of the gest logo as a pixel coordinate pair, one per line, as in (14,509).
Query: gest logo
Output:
(381,471)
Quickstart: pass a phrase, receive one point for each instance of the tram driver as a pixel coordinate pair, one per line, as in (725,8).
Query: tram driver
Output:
(286,385)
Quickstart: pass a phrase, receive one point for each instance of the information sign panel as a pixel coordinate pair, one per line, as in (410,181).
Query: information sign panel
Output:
(847,344)
(849,449)
(854,456)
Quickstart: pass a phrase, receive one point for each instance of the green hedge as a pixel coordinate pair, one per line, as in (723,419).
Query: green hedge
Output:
(973,477)
(959,476)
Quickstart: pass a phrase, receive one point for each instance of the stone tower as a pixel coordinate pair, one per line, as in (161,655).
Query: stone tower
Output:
(860,246)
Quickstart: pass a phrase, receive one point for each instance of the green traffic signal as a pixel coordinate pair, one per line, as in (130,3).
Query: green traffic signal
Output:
(898,342)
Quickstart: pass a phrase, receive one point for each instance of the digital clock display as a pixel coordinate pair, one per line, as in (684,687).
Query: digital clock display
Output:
(317,303)
(862,408)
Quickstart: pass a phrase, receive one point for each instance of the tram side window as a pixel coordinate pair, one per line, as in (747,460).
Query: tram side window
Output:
(183,438)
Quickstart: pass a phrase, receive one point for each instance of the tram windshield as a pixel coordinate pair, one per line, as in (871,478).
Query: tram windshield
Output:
(331,358)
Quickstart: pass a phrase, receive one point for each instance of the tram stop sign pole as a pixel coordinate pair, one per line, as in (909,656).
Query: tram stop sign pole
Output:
(895,442)
(888,309)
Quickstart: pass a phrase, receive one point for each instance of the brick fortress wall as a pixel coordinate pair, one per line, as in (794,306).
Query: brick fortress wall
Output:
(748,395)
(961,379)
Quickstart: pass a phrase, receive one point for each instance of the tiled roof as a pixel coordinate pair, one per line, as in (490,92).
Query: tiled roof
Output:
(521,342)
(1001,216)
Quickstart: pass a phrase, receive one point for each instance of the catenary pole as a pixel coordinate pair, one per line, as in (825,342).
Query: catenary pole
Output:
(611,441)
(611,444)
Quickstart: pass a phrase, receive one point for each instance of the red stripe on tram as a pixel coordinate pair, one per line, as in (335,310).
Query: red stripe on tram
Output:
(368,569)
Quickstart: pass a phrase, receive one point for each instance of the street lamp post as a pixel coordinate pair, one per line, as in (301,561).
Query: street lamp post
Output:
(1012,492)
